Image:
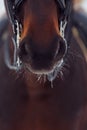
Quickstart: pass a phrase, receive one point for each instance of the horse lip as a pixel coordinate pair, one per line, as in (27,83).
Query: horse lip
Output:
(56,67)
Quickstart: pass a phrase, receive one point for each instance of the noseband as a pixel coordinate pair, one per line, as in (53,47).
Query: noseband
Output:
(65,6)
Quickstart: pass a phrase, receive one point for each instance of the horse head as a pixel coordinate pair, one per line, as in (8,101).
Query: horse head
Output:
(39,28)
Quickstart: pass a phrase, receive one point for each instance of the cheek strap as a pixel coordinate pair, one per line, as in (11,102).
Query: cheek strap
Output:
(16,65)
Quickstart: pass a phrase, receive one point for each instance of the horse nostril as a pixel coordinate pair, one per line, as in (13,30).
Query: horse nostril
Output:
(62,47)
(61,50)
(23,51)
(26,49)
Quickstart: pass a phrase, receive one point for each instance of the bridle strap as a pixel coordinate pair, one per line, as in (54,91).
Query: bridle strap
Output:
(16,65)
(16,36)
(62,4)
(64,19)
(17,3)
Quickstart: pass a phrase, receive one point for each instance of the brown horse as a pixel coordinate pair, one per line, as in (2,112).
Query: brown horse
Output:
(45,86)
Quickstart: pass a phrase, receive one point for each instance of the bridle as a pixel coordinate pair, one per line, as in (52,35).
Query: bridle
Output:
(65,6)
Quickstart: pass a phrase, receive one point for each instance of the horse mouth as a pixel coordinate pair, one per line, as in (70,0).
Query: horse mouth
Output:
(50,73)
(45,71)
(48,63)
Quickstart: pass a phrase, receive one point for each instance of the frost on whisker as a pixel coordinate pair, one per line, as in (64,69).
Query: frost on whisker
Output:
(38,77)
(57,69)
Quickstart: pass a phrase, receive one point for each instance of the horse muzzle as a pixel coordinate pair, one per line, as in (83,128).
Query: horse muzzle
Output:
(40,58)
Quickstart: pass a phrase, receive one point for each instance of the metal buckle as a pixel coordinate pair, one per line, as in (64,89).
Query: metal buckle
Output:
(62,28)
(62,32)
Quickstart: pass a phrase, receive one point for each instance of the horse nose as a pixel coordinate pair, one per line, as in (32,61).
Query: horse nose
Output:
(30,50)
(29,47)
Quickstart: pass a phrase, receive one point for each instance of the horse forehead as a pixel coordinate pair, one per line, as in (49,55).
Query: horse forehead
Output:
(39,7)
(40,3)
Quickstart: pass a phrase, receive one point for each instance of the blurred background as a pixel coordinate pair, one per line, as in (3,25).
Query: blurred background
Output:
(80,5)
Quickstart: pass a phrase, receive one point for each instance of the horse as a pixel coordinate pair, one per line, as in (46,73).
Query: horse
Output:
(43,70)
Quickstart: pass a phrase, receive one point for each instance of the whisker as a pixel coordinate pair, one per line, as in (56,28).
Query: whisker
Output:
(44,78)
(74,54)
(39,77)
